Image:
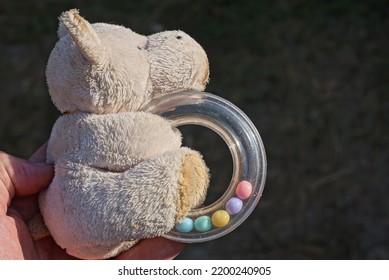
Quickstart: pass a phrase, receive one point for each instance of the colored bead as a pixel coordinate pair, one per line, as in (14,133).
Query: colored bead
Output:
(203,223)
(220,218)
(186,225)
(234,205)
(244,190)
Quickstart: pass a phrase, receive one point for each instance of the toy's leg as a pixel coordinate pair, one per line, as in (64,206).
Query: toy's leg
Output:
(193,183)
(87,208)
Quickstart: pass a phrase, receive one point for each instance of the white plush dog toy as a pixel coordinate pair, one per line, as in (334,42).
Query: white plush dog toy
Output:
(120,174)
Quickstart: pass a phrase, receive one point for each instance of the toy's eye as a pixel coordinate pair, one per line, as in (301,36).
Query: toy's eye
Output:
(179,37)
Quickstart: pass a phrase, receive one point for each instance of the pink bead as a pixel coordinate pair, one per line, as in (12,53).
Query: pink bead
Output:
(244,190)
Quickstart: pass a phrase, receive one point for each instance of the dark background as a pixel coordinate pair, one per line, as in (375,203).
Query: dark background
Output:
(313,77)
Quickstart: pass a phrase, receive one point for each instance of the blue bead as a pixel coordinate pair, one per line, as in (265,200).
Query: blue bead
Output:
(186,225)
(203,223)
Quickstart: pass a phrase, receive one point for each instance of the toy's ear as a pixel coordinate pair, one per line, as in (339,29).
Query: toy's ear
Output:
(62,30)
(83,34)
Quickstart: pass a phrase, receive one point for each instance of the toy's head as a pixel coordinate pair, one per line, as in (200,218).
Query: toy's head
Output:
(104,68)
(177,62)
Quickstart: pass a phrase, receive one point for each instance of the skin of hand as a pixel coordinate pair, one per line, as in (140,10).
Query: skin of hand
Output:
(20,183)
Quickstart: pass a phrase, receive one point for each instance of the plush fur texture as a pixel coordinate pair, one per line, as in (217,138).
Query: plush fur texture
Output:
(120,174)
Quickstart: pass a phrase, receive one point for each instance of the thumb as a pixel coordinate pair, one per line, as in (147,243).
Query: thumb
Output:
(21,177)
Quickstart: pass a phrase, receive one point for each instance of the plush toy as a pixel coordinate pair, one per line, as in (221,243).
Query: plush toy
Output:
(120,174)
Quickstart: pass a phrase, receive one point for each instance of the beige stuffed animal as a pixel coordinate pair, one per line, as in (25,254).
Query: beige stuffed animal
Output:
(120,174)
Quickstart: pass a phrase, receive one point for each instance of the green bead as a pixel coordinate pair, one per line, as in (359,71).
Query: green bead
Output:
(203,223)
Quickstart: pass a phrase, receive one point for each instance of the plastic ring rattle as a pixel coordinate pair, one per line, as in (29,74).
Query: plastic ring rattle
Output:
(248,157)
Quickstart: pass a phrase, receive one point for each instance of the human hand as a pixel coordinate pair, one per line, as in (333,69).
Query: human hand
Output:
(20,184)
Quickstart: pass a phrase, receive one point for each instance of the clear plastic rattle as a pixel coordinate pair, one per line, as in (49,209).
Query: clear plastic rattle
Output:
(248,158)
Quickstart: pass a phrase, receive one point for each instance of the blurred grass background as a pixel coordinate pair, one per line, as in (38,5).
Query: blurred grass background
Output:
(313,77)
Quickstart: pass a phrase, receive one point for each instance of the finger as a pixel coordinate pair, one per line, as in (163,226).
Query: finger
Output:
(47,249)
(27,206)
(20,177)
(157,248)
(39,155)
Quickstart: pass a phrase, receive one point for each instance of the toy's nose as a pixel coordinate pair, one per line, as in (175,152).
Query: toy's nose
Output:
(203,77)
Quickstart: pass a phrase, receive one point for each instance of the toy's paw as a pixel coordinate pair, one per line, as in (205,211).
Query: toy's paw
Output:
(193,183)
(38,228)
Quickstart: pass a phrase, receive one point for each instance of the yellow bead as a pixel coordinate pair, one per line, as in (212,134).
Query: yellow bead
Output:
(220,218)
